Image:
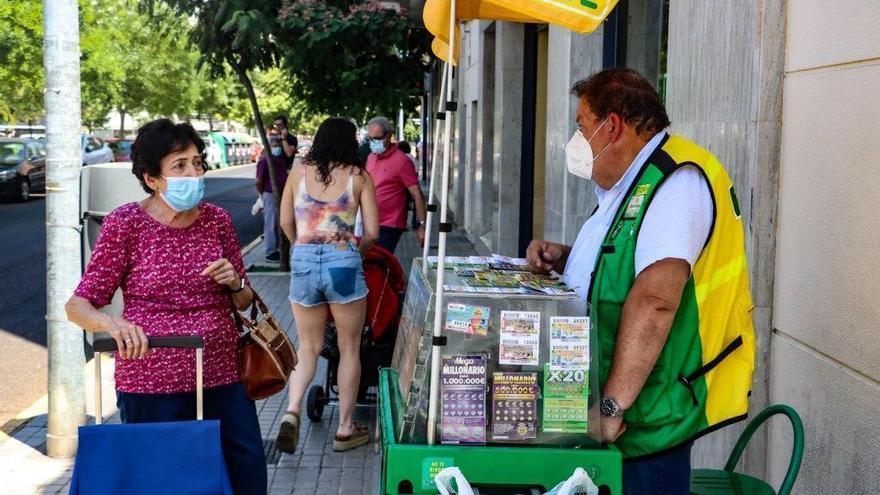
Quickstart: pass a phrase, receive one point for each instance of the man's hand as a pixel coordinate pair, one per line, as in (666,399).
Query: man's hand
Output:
(283,132)
(544,255)
(612,428)
(420,234)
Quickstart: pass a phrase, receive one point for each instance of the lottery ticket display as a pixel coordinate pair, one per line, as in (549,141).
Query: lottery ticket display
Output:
(463,400)
(514,406)
(515,367)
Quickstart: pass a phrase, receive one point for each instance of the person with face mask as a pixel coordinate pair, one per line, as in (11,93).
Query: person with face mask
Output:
(264,188)
(178,263)
(660,268)
(395,176)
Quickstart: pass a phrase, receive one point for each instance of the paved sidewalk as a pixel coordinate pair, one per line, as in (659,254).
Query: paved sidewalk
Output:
(313,469)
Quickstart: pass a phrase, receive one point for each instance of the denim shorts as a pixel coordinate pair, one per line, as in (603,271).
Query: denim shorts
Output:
(326,273)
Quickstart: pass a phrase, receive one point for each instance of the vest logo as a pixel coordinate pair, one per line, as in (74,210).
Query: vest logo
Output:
(634,205)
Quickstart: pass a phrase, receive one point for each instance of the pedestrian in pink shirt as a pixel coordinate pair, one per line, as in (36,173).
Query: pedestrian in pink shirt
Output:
(178,263)
(393,174)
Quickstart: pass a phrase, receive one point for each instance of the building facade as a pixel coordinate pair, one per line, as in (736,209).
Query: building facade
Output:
(786,95)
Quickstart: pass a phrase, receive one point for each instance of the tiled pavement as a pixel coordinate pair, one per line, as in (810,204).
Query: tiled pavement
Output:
(313,469)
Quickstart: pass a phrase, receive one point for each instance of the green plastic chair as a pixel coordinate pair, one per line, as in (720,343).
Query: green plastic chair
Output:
(728,482)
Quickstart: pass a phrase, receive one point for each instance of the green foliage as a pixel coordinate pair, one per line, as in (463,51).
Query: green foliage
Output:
(275,96)
(352,58)
(133,65)
(21,60)
(128,63)
(237,33)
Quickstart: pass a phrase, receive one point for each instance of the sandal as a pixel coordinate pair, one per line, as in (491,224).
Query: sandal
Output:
(360,435)
(288,433)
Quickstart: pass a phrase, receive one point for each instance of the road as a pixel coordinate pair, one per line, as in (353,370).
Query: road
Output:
(23,356)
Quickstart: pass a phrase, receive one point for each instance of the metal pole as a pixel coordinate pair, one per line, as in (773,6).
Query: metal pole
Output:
(400,125)
(65,341)
(429,221)
(441,248)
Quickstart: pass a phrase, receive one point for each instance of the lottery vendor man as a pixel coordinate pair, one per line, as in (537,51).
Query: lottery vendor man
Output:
(662,264)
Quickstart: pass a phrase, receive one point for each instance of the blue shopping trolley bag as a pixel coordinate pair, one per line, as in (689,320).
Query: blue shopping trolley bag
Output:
(171,458)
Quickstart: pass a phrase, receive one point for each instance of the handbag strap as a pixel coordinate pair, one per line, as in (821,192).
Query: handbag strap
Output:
(257,306)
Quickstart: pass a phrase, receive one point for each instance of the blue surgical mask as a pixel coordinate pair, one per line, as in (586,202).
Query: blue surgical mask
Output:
(276,151)
(377,146)
(183,193)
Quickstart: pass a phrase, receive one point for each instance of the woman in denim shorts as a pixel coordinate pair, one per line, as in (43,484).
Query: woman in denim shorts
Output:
(318,210)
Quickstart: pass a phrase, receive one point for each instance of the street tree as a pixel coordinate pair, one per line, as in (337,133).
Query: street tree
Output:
(236,35)
(21,54)
(355,58)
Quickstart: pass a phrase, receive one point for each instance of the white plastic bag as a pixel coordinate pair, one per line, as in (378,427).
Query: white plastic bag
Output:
(258,205)
(578,484)
(444,482)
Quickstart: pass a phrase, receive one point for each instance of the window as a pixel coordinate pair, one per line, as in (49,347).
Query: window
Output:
(635,35)
(93,144)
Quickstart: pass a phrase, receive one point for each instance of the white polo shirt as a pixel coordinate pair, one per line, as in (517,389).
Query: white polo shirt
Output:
(676,224)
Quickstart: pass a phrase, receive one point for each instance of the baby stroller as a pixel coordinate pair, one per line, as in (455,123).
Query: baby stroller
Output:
(386,283)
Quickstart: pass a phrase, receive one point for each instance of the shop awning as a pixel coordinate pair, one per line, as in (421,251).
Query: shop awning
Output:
(581,16)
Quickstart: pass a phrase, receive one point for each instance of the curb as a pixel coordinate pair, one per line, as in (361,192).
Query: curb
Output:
(250,247)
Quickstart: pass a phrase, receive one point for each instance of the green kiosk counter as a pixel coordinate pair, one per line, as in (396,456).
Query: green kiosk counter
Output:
(514,403)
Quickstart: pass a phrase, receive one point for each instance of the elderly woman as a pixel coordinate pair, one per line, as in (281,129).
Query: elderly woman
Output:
(178,263)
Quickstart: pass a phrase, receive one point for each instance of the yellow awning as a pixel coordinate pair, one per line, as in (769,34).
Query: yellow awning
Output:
(581,16)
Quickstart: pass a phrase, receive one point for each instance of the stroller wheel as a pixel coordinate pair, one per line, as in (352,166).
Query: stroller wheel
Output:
(315,403)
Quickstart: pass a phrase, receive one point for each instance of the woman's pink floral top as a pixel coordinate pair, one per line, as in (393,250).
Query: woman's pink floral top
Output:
(159,269)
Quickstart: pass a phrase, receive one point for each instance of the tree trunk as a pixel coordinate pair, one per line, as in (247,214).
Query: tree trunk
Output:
(283,243)
(121,123)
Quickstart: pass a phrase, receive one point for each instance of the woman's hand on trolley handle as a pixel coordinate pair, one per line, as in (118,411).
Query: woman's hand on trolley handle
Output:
(130,339)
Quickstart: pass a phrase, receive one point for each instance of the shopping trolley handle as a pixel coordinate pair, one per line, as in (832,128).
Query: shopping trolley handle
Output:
(106,344)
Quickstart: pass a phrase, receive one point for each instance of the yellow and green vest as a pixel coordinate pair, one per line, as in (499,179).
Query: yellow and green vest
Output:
(703,377)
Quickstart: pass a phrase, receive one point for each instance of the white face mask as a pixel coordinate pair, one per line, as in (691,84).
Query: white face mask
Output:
(579,155)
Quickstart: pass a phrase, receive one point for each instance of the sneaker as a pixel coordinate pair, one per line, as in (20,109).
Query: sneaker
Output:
(274,257)
(288,433)
(360,435)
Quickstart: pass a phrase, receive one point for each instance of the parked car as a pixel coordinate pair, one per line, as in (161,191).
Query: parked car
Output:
(95,150)
(121,149)
(22,168)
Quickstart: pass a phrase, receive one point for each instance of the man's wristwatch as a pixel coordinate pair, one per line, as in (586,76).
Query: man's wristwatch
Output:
(610,408)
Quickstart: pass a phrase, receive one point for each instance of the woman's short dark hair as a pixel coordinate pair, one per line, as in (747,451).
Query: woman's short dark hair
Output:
(157,139)
(335,144)
(626,93)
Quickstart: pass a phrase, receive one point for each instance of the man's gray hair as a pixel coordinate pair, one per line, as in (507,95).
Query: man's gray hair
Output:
(382,122)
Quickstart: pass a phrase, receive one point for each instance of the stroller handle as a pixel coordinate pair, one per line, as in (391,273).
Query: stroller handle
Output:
(106,344)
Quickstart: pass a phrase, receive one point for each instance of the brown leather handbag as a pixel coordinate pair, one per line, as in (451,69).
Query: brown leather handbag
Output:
(266,356)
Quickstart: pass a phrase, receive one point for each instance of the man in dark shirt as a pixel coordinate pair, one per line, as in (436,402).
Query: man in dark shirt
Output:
(264,187)
(288,140)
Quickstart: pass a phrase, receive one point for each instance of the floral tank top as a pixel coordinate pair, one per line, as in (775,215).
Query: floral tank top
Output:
(324,222)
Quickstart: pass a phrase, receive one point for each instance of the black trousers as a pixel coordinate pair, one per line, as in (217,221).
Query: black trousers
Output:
(389,237)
